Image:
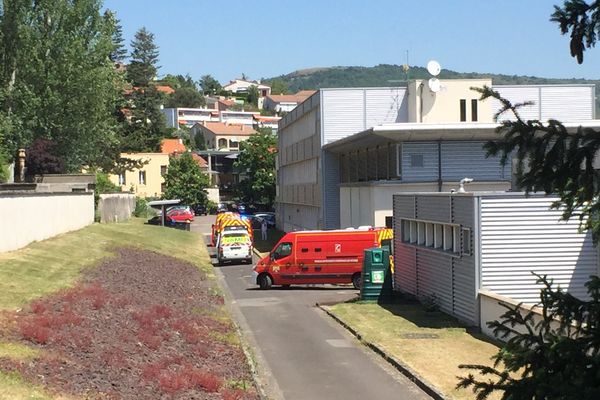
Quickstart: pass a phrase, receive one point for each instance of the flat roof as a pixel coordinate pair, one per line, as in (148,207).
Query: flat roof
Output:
(419,131)
(164,202)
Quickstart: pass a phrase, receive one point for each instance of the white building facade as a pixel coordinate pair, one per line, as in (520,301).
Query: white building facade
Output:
(344,152)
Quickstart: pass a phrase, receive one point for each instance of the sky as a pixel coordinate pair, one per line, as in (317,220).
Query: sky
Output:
(267,38)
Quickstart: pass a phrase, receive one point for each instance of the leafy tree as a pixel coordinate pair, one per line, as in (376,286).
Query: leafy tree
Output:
(50,54)
(278,86)
(144,59)
(555,358)
(257,157)
(185,180)
(210,85)
(253,95)
(582,20)
(198,142)
(185,97)
(42,158)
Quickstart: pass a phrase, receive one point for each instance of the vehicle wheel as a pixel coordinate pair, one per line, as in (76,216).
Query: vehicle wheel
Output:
(265,281)
(249,260)
(219,262)
(357,280)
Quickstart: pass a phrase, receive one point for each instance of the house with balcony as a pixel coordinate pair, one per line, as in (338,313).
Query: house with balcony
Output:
(238,117)
(176,117)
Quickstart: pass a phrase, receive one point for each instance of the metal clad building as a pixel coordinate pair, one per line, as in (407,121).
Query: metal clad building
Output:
(453,245)
(328,115)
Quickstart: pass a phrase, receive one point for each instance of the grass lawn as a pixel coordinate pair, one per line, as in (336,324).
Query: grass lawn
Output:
(48,266)
(433,344)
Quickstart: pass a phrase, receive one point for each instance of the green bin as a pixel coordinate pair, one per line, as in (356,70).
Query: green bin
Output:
(376,274)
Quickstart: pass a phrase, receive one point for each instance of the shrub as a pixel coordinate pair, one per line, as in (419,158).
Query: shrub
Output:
(232,394)
(142,209)
(203,379)
(35,333)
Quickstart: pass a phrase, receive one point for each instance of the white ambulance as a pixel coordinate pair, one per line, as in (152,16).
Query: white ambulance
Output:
(234,244)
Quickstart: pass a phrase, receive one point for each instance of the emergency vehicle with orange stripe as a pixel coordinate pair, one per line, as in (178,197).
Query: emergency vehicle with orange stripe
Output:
(232,235)
(320,256)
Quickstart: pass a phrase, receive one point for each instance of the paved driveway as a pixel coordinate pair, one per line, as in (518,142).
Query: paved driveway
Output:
(307,355)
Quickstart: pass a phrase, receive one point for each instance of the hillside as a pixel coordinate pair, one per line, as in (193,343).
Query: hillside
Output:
(393,75)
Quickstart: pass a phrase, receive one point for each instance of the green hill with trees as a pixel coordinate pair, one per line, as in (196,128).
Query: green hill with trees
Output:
(393,75)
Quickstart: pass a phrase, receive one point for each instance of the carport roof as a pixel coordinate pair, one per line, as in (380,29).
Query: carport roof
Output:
(412,132)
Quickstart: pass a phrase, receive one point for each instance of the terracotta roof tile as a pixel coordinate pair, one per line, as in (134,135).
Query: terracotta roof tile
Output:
(170,146)
(220,128)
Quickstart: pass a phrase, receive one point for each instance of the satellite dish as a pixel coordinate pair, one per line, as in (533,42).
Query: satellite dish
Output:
(434,85)
(434,68)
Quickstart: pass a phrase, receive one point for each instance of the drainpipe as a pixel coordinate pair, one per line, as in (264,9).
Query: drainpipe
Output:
(440,182)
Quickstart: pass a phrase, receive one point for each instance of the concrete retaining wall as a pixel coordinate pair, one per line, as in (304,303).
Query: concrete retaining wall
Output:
(116,207)
(26,217)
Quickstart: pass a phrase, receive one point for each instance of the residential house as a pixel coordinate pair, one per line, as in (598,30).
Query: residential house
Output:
(238,117)
(241,86)
(176,117)
(265,121)
(146,181)
(283,103)
(222,136)
(343,153)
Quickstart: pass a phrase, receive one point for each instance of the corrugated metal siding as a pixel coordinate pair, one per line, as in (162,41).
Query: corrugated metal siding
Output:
(405,272)
(429,171)
(566,103)
(404,207)
(331,191)
(405,268)
(467,159)
(464,279)
(342,113)
(435,277)
(433,208)
(385,105)
(522,235)
(518,95)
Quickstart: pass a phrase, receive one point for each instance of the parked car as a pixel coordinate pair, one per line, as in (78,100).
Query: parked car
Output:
(222,207)
(180,215)
(200,209)
(267,216)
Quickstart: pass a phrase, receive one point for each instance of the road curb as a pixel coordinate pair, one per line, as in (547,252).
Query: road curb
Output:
(400,366)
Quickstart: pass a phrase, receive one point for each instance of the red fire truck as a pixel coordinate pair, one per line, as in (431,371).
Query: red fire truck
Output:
(315,257)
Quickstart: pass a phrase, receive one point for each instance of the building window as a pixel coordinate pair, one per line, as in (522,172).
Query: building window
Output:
(163,170)
(436,236)
(474,110)
(234,144)
(463,110)
(163,187)
(417,161)
(222,143)
(142,177)
(122,180)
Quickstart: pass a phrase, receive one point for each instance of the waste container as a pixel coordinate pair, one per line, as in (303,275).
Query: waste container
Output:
(376,274)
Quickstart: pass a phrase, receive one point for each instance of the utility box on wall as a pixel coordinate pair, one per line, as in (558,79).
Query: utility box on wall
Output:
(376,274)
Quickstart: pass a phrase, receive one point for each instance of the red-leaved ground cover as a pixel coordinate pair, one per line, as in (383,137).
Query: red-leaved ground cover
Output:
(139,326)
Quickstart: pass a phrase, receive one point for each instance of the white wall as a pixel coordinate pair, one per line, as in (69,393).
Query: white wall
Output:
(25,218)
(369,204)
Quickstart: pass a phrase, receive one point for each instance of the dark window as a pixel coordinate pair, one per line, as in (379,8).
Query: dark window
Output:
(463,109)
(389,222)
(304,250)
(473,109)
(283,250)
(416,160)
(163,170)
(317,250)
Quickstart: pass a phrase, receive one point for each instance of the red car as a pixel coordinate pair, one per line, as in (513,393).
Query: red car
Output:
(180,215)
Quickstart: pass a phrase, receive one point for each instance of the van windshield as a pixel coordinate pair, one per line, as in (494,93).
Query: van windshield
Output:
(283,250)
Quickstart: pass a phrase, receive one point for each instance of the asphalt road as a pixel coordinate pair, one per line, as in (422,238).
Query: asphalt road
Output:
(307,355)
